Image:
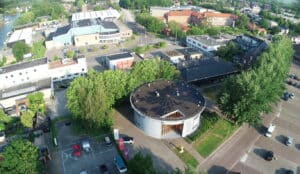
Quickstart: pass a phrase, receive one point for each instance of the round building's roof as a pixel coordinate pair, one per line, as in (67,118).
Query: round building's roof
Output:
(167,100)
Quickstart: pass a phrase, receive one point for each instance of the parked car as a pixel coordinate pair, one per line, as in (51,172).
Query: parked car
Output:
(289,172)
(286,96)
(83,172)
(291,95)
(270,130)
(76,150)
(128,140)
(269,156)
(108,142)
(103,169)
(86,145)
(120,164)
(289,141)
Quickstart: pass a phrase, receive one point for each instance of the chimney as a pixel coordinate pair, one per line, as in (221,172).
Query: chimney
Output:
(177,93)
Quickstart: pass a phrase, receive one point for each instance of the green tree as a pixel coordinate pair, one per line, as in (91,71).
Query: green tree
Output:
(3,61)
(79,3)
(3,117)
(150,23)
(19,49)
(176,30)
(88,102)
(228,51)
(97,8)
(25,18)
(21,157)
(242,21)
(70,54)
(264,23)
(37,102)
(275,30)
(251,93)
(27,119)
(2,127)
(150,70)
(141,164)
(38,50)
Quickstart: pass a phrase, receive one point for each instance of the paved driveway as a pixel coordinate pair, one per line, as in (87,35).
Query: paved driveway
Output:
(57,106)
(163,158)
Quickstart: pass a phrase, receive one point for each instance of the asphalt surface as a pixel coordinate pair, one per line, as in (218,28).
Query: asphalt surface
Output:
(242,152)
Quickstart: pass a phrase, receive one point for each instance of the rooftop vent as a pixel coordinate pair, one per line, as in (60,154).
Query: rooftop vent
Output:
(177,93)
(149,85)
(157,94)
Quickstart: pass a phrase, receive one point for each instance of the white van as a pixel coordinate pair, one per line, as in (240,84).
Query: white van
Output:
(270,130)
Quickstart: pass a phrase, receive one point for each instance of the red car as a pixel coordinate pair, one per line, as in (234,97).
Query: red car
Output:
(76,150)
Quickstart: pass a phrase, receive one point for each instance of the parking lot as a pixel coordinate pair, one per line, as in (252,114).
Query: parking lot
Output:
(287,125)
(87,161)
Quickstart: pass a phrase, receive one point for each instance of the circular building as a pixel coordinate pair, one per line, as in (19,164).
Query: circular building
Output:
(167,109)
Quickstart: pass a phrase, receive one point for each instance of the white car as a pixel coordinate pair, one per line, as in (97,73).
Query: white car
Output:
(270,130)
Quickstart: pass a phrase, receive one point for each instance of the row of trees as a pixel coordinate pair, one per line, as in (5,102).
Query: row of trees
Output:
(253,92)
(143,4)
(151,23)
(91,98)
(41,8)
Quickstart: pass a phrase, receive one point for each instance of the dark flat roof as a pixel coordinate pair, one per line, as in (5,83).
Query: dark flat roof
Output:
(297,52)
(119,56)
(59,31)
(188,103)
(23,65)
(207,68)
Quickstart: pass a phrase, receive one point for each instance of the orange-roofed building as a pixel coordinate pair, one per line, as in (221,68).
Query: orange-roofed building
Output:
(213,19)
(180,16)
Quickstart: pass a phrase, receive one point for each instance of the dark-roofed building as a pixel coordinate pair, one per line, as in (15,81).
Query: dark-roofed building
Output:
(165,108)
(297,52)
(205,69)
(120,61)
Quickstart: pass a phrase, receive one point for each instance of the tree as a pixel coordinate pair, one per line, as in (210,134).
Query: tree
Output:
(151,23)
(141,164)
(70,54)
(38,50)
(25,18)
(275,30)
(21,157)
(176,30)
(3,117)
(242,21)
(27,118)
(264,23)
(19,49)
(3,61)
(247,95)
(88,102)
(37,102)
(79,3)
(150,70)
(228,51)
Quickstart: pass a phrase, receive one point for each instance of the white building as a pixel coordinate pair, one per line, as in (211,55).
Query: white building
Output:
(174,56)
(102,15)
(26,77)
(166,109)
(120,61)
(24,35)
(208,44)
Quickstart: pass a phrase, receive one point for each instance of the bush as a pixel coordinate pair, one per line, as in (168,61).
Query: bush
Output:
(208,120)
(70,54)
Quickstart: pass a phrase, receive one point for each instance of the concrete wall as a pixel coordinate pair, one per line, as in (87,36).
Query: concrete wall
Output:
(12,101)
(149,126)
(125,63)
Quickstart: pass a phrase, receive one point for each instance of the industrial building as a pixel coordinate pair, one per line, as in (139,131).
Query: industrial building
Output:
(90,28)
(24,35)
(119,61)
(167,109)
(208,44)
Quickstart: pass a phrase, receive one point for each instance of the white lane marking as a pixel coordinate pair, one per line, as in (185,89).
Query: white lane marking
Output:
(244,158)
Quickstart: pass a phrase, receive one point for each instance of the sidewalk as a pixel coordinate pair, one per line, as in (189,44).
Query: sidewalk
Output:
(188,147)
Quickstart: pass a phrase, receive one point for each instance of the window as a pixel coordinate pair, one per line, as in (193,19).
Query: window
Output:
(27,78)
(11,75)
(82,69)
(34,70)
(20,73)
(6,77)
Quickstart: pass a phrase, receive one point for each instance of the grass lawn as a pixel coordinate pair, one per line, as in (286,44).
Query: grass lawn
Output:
(214,137)
(186,157)
(212,92)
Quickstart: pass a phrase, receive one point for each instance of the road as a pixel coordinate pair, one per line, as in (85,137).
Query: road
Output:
(244,152)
